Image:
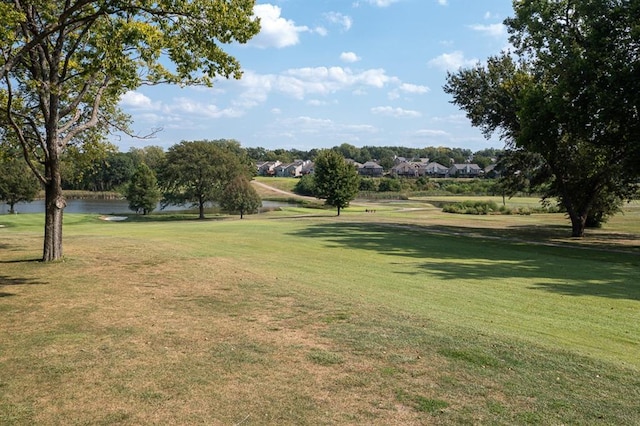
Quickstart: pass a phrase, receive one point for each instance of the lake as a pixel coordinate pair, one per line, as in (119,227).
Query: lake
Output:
(103,206)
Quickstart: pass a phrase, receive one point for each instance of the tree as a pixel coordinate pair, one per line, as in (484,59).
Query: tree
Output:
(65,64)
(240,196)
(196,172)
(335,180)
(572,97)
(17,183)
(143,193)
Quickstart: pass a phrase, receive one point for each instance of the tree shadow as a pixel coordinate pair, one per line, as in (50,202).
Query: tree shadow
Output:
(7,281)
(470,254)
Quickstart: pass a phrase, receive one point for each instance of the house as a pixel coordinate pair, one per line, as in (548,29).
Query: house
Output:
(267,168)
(492,172)
(290,170)
(370,168)
(433,169)
(308,168)
(465,170)
(406,169)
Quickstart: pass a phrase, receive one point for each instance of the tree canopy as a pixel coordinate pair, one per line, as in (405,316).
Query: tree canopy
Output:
(142,192)
(65,64)
(336,181)
(17,183)
(196,172)
(572,96)
(239,196)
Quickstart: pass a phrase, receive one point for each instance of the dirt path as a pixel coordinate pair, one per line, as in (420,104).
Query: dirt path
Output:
(282,192)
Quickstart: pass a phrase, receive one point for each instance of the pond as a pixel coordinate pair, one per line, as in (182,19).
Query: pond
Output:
(104,206)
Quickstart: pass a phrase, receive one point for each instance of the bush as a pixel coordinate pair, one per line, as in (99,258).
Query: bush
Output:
(305,186)
(389,185)
(368,184)
(471,207)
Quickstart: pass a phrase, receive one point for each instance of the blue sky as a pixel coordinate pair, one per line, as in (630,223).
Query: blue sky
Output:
(326,72)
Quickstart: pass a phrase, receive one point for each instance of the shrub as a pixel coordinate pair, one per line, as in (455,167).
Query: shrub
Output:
(305,186)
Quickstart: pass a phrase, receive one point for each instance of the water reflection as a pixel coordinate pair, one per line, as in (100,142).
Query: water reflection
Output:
(102,206)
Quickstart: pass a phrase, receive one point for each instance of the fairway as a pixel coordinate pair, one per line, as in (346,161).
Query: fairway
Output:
(403,316)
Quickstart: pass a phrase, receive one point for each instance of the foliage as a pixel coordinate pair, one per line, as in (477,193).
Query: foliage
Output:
(240,196)
(143,193)
(305,186)
(196,172)
(389,185)
(471,207)
(368,184)
(572,98)
(17,183)
(65,65)
(152,156)
(335,180)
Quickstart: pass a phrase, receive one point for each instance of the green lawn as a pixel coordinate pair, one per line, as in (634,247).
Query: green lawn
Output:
(402,316)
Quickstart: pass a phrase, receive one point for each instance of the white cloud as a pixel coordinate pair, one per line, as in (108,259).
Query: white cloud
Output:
(429,133)
(493,30)
(349,57)
(186,105)
(414,88)
(452,61)
(276,31)
(137,100)
(339,19)
(395,112)
(377,3)
(443,2)
(321,31)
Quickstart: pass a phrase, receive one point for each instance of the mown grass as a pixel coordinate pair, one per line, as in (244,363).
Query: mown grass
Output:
(403,316)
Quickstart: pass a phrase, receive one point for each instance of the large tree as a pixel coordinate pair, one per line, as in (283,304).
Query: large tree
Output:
(196,172)
(572,96)
(64,65)
(336,180)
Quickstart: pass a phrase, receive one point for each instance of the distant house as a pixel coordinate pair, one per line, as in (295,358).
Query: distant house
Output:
(267,168)
(434,169)
(406,169)
(371,168)
(291,170)
(491,172)
(465,170)
(308,168)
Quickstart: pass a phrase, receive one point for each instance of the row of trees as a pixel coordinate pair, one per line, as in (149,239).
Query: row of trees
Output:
(195,173)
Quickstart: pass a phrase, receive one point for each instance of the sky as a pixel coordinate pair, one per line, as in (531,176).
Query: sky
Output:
(326,72)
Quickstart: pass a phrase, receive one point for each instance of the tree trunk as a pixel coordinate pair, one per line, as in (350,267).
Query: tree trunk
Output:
(54,206)
(201,209)
(338,210)
(578,224)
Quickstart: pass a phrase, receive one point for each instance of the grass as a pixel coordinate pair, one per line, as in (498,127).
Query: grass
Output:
(403,316)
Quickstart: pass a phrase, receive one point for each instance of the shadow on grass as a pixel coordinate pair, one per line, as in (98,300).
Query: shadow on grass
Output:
(162,217)
(452,254)
(6,281)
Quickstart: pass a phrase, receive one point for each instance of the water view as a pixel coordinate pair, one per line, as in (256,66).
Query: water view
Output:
(102,206)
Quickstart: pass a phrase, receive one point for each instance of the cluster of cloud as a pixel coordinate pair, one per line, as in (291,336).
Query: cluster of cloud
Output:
(312,84)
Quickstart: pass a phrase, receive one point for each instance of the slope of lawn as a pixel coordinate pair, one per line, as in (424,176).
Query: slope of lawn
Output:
(402,316)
